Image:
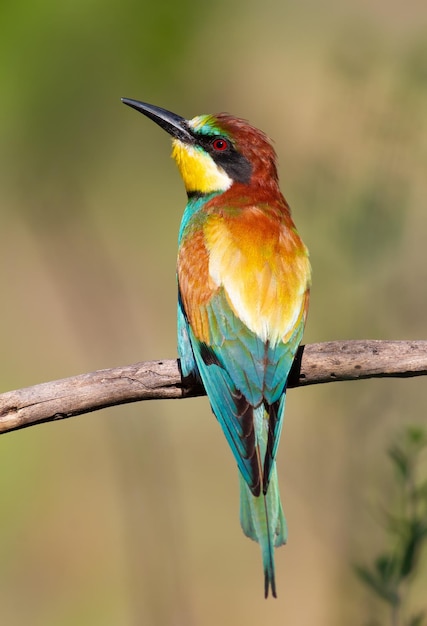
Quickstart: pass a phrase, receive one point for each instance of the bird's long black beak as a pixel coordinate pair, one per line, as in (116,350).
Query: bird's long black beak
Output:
(172,123)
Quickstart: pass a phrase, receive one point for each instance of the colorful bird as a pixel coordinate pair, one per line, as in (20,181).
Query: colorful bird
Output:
(243,292)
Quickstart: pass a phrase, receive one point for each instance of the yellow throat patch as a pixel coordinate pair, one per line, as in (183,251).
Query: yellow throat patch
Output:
(199,171)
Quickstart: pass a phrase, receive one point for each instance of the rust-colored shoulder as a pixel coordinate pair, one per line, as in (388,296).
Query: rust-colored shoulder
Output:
(195,284)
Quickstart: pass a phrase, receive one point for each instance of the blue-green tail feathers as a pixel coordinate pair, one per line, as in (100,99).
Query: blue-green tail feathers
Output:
(245,380)
(262,520)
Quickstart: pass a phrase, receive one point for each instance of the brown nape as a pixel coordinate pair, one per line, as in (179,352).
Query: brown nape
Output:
(255,146)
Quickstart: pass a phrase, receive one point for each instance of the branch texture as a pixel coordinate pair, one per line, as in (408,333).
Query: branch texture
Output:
(153,380)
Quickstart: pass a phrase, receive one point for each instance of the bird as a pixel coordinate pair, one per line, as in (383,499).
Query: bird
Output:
(244,278)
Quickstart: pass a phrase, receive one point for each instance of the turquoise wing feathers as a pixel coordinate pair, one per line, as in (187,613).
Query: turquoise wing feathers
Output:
(240,373)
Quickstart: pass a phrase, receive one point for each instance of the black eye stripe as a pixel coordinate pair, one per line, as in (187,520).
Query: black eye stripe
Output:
(235,165)
(207,142)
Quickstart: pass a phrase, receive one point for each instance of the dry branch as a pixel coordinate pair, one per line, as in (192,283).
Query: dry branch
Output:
(152,380)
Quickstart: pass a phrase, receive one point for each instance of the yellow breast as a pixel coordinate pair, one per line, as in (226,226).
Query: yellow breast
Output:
(264,269)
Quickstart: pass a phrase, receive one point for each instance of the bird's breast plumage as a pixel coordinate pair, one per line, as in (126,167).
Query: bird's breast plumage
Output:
(256,256)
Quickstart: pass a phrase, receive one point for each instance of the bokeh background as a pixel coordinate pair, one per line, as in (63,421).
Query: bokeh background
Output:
(130,515)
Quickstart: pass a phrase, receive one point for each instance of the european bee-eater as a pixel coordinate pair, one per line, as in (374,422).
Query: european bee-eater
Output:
(243,290)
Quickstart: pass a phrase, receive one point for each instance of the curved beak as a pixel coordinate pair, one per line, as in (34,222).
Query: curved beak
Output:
(173,124)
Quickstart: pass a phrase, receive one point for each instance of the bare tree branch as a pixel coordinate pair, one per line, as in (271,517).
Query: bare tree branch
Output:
(153,380)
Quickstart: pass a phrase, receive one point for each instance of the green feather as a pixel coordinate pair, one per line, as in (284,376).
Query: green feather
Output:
(262,517)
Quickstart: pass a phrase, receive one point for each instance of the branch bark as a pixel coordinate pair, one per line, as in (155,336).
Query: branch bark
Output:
(152,380)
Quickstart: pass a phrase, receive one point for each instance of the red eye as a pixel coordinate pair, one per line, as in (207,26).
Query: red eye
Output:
(220,145)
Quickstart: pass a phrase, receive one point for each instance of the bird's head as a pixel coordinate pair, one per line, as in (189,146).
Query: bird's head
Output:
(214,152)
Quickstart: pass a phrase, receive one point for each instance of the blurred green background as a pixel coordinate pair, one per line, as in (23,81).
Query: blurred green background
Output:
(130,515)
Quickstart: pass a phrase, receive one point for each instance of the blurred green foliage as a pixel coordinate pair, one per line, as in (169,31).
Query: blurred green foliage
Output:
(393,571)
(130,516)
